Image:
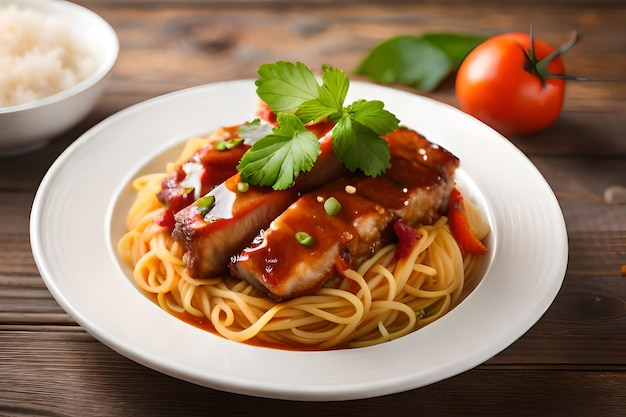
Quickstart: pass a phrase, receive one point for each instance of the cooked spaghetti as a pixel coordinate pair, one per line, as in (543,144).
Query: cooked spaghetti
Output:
(387,297)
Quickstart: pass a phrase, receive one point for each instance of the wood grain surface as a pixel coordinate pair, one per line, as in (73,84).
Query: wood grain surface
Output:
(571,363)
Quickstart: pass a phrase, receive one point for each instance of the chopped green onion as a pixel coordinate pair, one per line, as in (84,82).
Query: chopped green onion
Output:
(186,190)
(304,238)
(204,204)
(224,145)
(242,187)
(332,206)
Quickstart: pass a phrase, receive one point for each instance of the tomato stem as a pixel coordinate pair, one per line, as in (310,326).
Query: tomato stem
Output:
(540,67)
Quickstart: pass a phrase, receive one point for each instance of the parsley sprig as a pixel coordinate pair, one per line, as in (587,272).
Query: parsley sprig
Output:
(292,91)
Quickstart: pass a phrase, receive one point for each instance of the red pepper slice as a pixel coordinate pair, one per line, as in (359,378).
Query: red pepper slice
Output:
(459,226)
(407,237)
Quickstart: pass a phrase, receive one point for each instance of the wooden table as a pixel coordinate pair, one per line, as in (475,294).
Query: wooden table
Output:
(572,362)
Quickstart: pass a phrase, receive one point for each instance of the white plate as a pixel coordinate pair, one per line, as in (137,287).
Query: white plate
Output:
(79,214)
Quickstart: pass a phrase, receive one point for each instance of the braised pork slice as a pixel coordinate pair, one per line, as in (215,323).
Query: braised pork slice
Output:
(206,168)
(221,224)
(425,173)
(415,190)
(278,264)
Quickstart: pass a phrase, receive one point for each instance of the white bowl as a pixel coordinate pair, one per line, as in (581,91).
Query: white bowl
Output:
(30,125)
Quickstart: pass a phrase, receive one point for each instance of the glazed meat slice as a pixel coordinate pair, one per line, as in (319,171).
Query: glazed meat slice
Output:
(278,264)
(425,172)
(214,162)
(407,144)
(212,235)
(413,190)
(202,171)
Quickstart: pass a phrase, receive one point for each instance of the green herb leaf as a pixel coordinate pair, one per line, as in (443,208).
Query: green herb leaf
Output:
(373,115)
(277,159)
(292,92)
(420,62)
(334,89)
(284,86)
(313,111)
(359,147)
(356,137)
(456,46)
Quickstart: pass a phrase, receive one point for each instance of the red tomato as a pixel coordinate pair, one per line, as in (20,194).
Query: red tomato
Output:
(500,84)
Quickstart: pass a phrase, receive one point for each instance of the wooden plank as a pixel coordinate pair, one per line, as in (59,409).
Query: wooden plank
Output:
(570,363)
(70,374)
(212,41)
(232,42)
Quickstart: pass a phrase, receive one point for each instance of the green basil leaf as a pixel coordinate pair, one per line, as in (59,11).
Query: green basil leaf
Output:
(420,62)
(456,46)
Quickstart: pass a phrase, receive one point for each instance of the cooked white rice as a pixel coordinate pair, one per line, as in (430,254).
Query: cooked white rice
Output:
(40,56)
